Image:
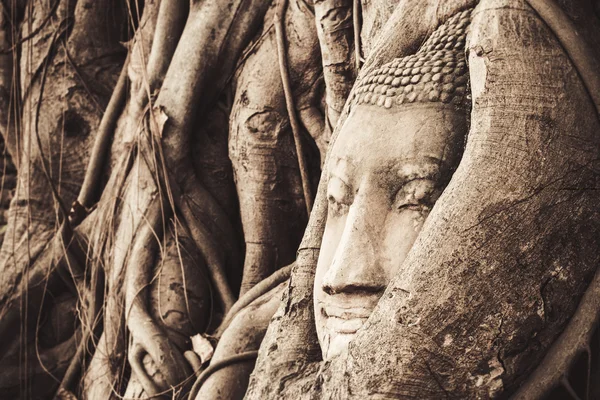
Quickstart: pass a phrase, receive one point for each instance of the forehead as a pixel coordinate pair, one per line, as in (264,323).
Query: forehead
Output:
(373,136)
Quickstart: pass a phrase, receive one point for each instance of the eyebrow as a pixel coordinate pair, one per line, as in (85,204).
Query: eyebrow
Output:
(394,174)
(399,173)
(348,169)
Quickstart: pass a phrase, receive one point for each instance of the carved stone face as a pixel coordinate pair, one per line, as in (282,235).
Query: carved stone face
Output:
(386,170)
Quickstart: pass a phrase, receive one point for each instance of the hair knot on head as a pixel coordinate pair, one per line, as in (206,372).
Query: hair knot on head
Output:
(436,73)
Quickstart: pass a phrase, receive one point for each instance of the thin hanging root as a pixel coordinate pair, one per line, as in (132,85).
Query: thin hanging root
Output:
(207,240)
(74,369)
(142,327)
(289,101)
(70,272)
(87,344)
(214,258)
(212,214)
(36,31)
(67,267)
(564,382)
(357,29)
(91,181)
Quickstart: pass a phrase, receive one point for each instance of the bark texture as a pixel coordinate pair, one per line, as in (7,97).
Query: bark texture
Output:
(261,145)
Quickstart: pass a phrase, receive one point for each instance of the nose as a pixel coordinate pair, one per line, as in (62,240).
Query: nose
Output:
(356,267)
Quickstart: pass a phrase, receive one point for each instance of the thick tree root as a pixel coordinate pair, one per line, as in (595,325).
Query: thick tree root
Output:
(237,358)
(290,104)
(262,144)
(244,334)
(147,336)
(582,55)
(97,162)
(253,294)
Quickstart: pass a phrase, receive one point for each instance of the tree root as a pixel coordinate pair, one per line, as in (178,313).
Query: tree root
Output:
(97,162)
(242,332)
(169,27)
(289,101)
(147,336)
(208,246)
(180,98)
(581,54)
(45,366)
(89,332)
(57,262)
(251,295)
(336,35)
(356,23)
(237,358)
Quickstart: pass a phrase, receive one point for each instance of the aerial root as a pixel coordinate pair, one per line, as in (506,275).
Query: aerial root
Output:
(147,336)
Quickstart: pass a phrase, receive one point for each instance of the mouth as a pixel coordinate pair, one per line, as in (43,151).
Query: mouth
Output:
(344,320)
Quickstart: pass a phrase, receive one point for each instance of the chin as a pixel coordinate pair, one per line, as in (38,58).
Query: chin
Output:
(335,341)
(340,341)
(337,324)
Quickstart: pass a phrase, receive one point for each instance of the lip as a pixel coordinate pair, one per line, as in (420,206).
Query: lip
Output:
(344,320)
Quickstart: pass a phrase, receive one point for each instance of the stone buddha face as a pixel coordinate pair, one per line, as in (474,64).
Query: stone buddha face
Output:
(392,159)
(386,170)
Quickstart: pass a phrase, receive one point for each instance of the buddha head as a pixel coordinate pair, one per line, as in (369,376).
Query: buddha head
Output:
(393,157)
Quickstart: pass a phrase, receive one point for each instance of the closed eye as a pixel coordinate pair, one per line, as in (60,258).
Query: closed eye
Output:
(336,208)
(339,196)
(416,195)
(413,207)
